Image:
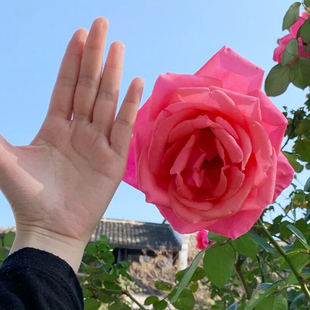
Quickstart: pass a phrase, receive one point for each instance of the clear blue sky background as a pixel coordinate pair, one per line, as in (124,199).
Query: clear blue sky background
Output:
(160,36)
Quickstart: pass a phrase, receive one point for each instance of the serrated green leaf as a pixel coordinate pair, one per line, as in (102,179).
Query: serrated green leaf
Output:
(305,31)
(299,265)
(273,302)
(291,16)
(262,293)
(290,52)
(300,72)
(218,264)
(299,235)
(277,80)
(262,242)
(246,246)
(160,305)
(186,300)
(8,239)
(234,306)
(187,276)
(91,304)
(297,259)
(151,300)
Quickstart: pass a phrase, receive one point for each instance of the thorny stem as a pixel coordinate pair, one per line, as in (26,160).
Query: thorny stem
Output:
(241,276)
(286,257)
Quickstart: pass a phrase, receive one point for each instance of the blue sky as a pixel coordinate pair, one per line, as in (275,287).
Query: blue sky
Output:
(160,36)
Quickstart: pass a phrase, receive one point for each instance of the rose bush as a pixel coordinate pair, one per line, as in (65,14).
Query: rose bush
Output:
(206,147)
(278,52)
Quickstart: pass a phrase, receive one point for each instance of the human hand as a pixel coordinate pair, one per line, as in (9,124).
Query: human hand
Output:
(61,184)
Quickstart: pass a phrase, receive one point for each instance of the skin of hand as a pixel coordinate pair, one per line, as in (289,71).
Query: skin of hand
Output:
(60,185)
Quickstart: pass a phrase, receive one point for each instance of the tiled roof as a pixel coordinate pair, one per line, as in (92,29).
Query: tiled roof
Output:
(137,235)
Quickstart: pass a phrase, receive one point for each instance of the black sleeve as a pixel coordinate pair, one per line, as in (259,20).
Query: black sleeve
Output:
(37,280)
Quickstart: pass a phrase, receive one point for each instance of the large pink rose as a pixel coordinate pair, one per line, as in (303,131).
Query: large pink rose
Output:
(206,147)
(277,55)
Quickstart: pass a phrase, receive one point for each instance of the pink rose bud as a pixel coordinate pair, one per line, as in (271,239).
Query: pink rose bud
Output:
(277,55)
(206,148)
(203,240)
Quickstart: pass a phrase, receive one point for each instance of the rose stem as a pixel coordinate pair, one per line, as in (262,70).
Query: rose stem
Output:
(241,276)
(285,256)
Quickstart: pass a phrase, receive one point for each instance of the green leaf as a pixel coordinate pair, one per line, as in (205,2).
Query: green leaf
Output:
(186,300)
(298,301)
(218,264)
(299,235)
(215,237)
(161,305)
(262,242)
(8,239)
(91,304)
(234,306)
(307,3)
(290,52)
(298,258)
(105,277)
(163,286)
(112,286)
(90,249)
(3,255)
(246,246)
(302,148)
(151,300)
(194,287)
(187,276)
(273,302)
(264,290)
(300,72)
(277,80)
(305,31)
(307,49)
(291,16)
(307,186)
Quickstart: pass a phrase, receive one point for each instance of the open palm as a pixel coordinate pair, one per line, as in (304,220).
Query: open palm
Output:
(64,180)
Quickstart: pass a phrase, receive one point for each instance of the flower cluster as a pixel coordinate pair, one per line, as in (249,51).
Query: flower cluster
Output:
(278,52)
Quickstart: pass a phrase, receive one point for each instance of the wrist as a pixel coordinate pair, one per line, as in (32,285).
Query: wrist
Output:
(66,248)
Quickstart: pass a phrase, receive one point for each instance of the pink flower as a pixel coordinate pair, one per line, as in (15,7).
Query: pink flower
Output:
(277,55)
(206,147)
(203,240)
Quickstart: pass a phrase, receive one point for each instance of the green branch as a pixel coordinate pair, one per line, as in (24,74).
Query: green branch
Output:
(286,257)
